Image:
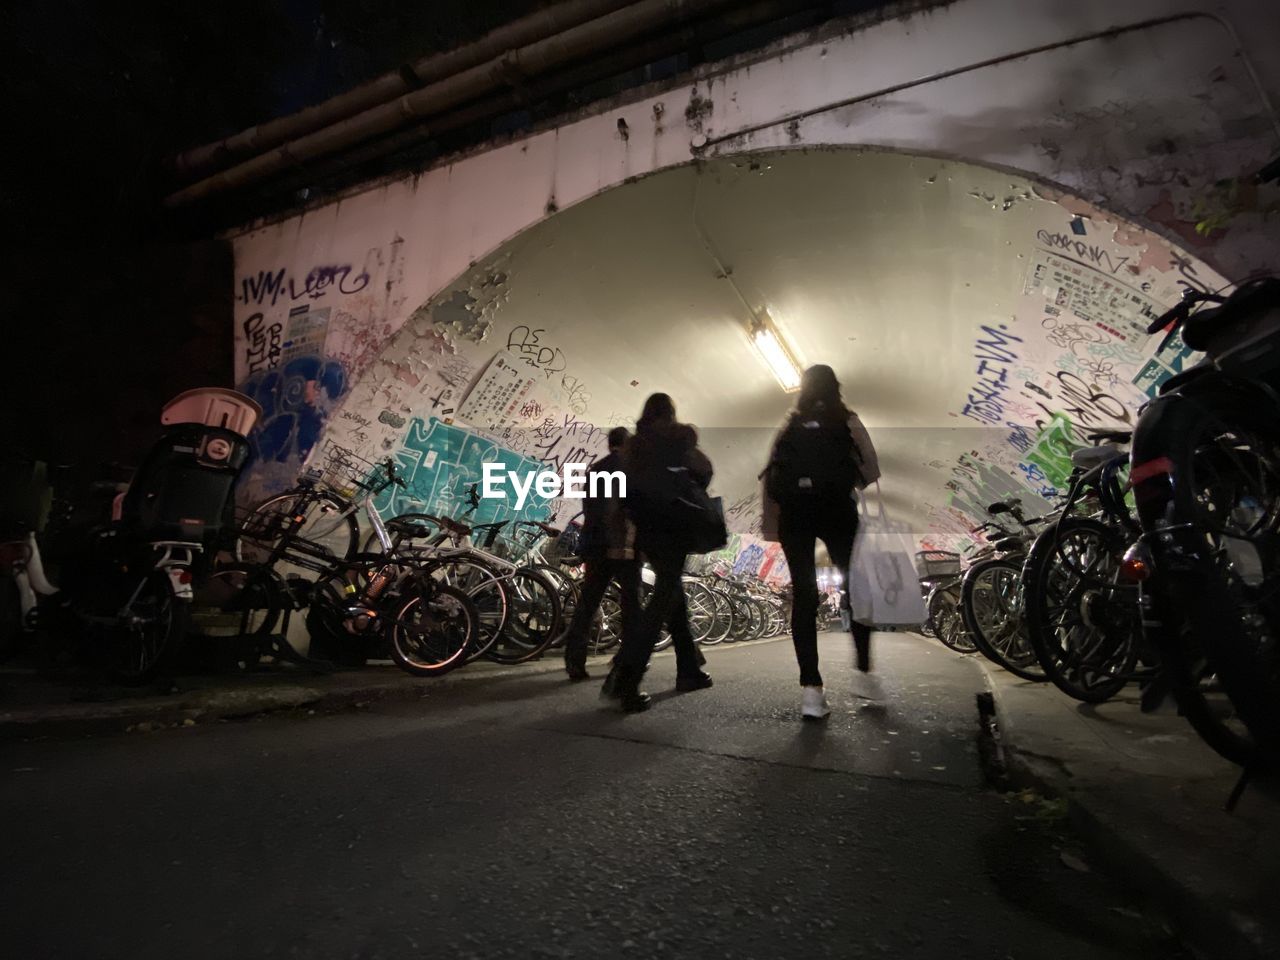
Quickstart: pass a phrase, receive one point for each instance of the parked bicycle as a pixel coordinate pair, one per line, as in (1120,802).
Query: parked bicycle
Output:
(519,607)
(357,603)
(1082,619)
(941,579)
(991,596)
(1206,479)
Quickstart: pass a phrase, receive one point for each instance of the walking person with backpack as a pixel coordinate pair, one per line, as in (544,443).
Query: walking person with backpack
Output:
(821,455)
(608,547)
(667,476)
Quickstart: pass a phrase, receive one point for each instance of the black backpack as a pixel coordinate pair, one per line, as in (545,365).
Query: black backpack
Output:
(814,463)
(664,499)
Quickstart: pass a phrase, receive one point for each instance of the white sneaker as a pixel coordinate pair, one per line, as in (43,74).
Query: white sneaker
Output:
(813,704)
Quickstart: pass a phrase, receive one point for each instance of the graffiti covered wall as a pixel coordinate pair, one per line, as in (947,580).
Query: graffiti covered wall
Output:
(405,310)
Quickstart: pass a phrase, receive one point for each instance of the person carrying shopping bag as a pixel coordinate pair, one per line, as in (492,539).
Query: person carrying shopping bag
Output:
(819,458)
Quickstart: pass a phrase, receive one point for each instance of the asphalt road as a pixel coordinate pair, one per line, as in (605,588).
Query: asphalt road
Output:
(524,818)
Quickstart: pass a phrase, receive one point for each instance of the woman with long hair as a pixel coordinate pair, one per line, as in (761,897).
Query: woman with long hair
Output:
(819,457)
(661,444)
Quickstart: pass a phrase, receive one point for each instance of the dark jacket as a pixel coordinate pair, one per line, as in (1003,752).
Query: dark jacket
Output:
(648,459)
(607,531)
(664,445)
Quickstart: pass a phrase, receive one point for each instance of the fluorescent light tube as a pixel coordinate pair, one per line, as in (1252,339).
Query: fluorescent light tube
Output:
(779,361)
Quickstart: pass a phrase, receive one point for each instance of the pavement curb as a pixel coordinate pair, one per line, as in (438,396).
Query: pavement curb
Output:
(1211,926)
(238,703)
(244,700)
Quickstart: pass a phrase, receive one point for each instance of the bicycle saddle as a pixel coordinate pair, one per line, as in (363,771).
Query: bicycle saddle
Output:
(1111,436)
(1086,458)
(1218,328)
(412,528)
(454,527)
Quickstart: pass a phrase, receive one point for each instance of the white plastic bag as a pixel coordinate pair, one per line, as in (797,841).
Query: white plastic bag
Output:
(883,588)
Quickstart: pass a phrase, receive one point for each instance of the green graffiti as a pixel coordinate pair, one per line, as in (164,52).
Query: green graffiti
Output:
(1052,450)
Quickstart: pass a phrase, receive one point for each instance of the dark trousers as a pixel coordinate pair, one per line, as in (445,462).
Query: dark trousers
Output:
(599,572)
(799,532)
(666,606)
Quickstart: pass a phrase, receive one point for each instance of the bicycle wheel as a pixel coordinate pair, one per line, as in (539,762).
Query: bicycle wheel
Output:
(1217,579)
(1084,625)
(326,621)
(702,610)
(533,621)
(488,594)
(324,526)
(430,632)
(723,617)
(234,610)
(608,623)
(567,590)
(990,599)
(757,618)
(948,621)
(741,625)
(146,636)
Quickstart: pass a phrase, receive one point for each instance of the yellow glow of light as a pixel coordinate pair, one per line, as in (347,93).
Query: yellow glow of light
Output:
(779,361)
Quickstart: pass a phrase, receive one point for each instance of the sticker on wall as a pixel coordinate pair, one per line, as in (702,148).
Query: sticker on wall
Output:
(1106,301)
(305,332)
(496,399)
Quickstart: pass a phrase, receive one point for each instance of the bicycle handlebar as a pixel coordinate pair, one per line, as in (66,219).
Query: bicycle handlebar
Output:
(391,474)
(1178,313)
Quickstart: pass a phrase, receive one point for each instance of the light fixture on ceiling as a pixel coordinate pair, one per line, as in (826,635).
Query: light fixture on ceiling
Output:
(775,353)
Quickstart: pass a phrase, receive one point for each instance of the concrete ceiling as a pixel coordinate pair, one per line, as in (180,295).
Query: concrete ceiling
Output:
(885,266)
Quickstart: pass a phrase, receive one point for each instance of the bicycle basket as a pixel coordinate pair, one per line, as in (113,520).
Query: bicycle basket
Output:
(343,472)
(566,544)
(937,563)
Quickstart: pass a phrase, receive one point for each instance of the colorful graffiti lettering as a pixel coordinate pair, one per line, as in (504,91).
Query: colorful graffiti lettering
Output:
(296,400)
(318,282)
(748,561)
(262,344)
(993,353)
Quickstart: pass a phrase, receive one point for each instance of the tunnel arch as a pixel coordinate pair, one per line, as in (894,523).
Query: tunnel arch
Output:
(1116,122)
(975,389)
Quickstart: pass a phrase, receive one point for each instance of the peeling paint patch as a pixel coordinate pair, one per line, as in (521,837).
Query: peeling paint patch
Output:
(469,313)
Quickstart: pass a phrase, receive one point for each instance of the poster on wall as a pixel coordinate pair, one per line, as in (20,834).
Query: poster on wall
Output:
(1109,303)
(495,400)
(305,332)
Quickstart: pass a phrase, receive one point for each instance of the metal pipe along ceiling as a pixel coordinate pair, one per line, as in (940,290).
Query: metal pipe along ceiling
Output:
(257,139)
(600,34)
(630,56)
